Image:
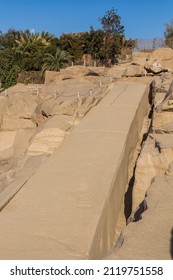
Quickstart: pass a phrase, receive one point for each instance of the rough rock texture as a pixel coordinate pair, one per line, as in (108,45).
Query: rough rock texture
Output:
(160,59)
(21,105)
(34,118)
(150,237)
(157,151)
(7,139)
(134,70)
(80,188)
(13,123)
(148,234)
(46,141)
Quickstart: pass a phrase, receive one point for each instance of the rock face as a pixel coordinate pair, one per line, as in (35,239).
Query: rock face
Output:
(134,70)
(157,152)
(13,123)
(7,139)
(149,230)
(150,237)
(34,119)
(159,60)
(46,141)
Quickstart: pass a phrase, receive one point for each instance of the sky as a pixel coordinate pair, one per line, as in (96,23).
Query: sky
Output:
(142,19)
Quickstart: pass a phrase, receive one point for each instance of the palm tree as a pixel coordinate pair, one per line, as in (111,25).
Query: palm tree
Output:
(46,37)
(57,61)
(27,39)
(30,49)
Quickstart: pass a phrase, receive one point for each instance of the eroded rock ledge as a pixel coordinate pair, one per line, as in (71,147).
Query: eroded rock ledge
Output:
(148,234)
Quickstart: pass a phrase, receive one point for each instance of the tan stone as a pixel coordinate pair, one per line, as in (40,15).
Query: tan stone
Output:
(68,107)
(134,70)
(21,105)
(46,141)
(50,77)
(117,71)
(80,188)
(22,141)
(48,105)
(62,122)
(3,104)
(3,182)
(150,163)
(13,123)
(169,171)
(162,119)
(85,105)
(67,73)
(3,107)
(167,128)
(7,139)
(164,141)
(151,237)
(162,56)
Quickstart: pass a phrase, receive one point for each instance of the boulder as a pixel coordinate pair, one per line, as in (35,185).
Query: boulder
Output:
(75,72)
(155,68)
(162,120)
(51,77)
(117,71)
(46,107)
(151,162)
(164,141)
(134,70)
(13,123)
(21,105)
(162,57)
(167,128)
(62,122)
(46,141)
(67,107)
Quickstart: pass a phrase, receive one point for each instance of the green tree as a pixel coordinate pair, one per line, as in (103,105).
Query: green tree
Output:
(111,23)
(169,34)
(22,51)
(7,40)
(57,61)
(9,67)
(114,34)
(71,43)
(31,48)
(93,43)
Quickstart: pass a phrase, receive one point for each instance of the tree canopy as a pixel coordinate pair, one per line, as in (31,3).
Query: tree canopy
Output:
(114,35)
(169,34)
(27,51)
(57,61)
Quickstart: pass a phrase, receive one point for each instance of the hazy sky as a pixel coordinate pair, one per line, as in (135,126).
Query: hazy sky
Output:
(141,18)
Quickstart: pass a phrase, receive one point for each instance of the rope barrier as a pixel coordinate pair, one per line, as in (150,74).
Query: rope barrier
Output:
(57,93)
